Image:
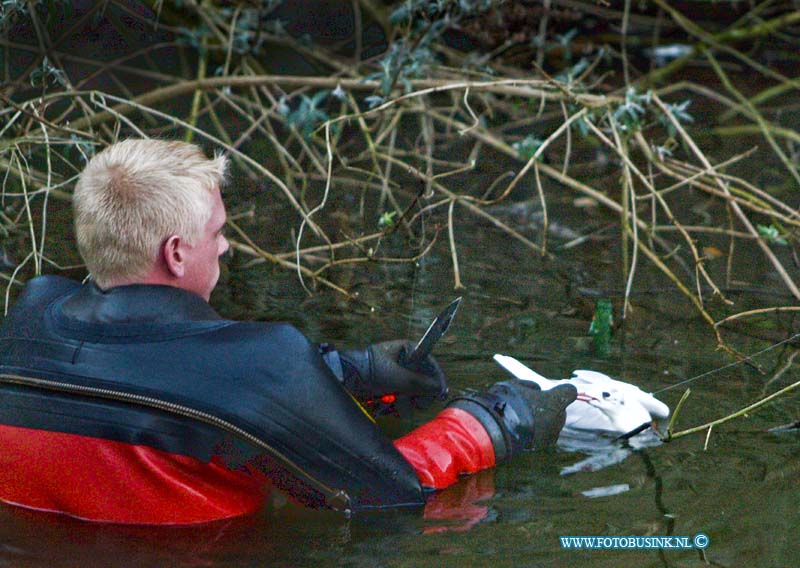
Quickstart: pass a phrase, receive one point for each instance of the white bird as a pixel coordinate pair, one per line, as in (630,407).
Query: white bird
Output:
(603,403)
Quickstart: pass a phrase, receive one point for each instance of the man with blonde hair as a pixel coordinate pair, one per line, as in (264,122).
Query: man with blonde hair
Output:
(138,193)
(129,399)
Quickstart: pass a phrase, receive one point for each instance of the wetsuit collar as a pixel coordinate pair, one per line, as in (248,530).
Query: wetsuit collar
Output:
(136,304)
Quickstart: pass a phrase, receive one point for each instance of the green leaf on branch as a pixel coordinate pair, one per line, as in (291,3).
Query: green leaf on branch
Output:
(47,73)
(387,220)
(678,110)
(307,116)
(569,75)
(771,234)
(527,147)
(629,116)
(374,101)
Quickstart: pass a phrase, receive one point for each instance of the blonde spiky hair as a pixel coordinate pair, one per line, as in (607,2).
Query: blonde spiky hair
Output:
(136,193)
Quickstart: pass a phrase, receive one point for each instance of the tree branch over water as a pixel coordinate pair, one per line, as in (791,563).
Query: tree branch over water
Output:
(364,139)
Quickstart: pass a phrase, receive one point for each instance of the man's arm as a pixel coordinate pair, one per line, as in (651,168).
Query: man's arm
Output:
(474,433)
(478,431)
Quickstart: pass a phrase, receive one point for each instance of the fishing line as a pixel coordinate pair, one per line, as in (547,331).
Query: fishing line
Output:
(417,268)
(421,203)
(735,363)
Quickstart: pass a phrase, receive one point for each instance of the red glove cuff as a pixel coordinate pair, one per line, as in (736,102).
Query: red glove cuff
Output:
(452,444)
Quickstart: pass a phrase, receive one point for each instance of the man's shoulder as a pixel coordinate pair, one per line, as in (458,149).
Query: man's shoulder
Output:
(48,286)
(41,290)
(285,333)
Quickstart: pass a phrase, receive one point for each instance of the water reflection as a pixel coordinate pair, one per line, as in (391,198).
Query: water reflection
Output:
(601,450)
(462,506)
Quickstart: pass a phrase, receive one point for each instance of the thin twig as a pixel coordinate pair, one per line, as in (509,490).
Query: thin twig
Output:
(453,254)
(743,412)
(737,210)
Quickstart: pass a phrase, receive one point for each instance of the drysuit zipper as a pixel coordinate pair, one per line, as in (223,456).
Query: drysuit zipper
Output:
(336,499)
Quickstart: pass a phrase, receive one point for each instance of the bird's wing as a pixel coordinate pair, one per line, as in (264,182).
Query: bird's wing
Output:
(655,407)
(593,378)
(607,414)
(583,416)
(522,372)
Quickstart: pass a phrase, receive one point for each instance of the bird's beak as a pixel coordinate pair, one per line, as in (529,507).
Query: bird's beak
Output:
(584,397)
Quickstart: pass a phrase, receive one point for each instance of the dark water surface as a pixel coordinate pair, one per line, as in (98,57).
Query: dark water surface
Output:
(742,491)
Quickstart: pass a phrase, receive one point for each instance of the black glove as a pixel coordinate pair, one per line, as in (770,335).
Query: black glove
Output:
(518,415)
(376,378)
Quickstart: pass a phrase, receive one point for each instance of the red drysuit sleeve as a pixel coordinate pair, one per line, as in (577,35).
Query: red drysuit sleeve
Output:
(452,444)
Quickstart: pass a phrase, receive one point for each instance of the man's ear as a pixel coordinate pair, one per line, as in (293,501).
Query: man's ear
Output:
(172,254)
